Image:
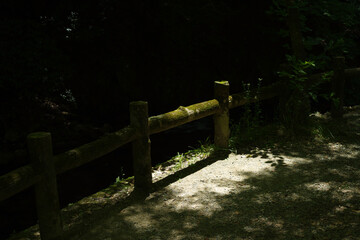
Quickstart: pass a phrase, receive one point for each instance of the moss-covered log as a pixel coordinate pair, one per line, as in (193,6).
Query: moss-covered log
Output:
(182,115)
(90,151)
(255,95)
(18,180)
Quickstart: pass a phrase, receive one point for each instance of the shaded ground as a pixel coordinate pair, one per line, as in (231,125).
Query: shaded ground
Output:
(279,189)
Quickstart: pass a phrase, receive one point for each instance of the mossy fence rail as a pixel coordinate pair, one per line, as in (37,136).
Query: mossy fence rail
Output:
(44,166)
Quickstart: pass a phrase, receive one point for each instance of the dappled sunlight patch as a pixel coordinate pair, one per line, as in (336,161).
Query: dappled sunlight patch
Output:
(275,223)
(348,151)
(318,186)
(354,190)
(340,209)
(294,157)
(339,172)
(276,197)
(263,198)
(251,229)
(265,227)
(141,217)
(205,199)
(335,146)
(245,187)
(296,197)
(207,208)
(348,154)
(254,178)
(298,232)
(347,194)
(355,171)
(296,160)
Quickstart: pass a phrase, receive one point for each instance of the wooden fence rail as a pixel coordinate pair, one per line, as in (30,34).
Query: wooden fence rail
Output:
(43,167)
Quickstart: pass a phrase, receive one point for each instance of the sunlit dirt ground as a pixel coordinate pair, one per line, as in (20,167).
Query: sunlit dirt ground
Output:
(275,189)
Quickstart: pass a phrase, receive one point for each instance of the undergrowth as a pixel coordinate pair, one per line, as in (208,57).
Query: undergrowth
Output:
(182,160)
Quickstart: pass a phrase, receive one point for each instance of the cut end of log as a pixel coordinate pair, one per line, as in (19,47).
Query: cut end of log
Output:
(138,103)
(38,135)
(222,83)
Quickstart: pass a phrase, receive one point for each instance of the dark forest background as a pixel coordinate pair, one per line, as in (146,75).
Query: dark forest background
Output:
(73,67)
(91,58)
(97,56)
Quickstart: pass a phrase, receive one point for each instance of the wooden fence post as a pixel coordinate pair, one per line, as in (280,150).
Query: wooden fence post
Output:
(141,146)
(338,83)
(47,199)
(221,119)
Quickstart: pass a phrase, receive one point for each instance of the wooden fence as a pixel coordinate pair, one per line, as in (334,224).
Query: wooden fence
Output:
(43,167)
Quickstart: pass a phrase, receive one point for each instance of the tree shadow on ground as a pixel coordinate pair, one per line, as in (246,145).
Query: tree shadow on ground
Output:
(89,212)
(315,199)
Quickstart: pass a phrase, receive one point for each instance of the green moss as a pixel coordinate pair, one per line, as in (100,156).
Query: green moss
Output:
(222,82)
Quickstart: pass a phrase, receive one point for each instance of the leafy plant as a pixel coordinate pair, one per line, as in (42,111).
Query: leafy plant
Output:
(251,119)
(120,178)
(179,158)
(252,112)
(298,72)
(297,107)
(183,160)
(330,27)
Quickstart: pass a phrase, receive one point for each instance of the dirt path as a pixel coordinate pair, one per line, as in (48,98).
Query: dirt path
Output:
(274,197)
(289,190)
(296,191)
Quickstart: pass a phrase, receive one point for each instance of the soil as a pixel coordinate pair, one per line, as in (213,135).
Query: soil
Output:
(278,187)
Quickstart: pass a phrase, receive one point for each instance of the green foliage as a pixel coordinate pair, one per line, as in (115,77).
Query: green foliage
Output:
(120,178)
(298,78)
(251,117)
(297,106)
(179,158)
(298,73)
(330,27)
(204,147)
(321,132)
(246,128)
(183,160)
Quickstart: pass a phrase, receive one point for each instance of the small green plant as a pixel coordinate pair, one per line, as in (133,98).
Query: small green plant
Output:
(321,43)
(252,112)
(296,109)
(182,160)
(301,90)
(245,128)
(205,148)
(120,178)
(117,180)
(257,109)
(297,73)
(320,130)
(179,158)
(332,97)
(246,118)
